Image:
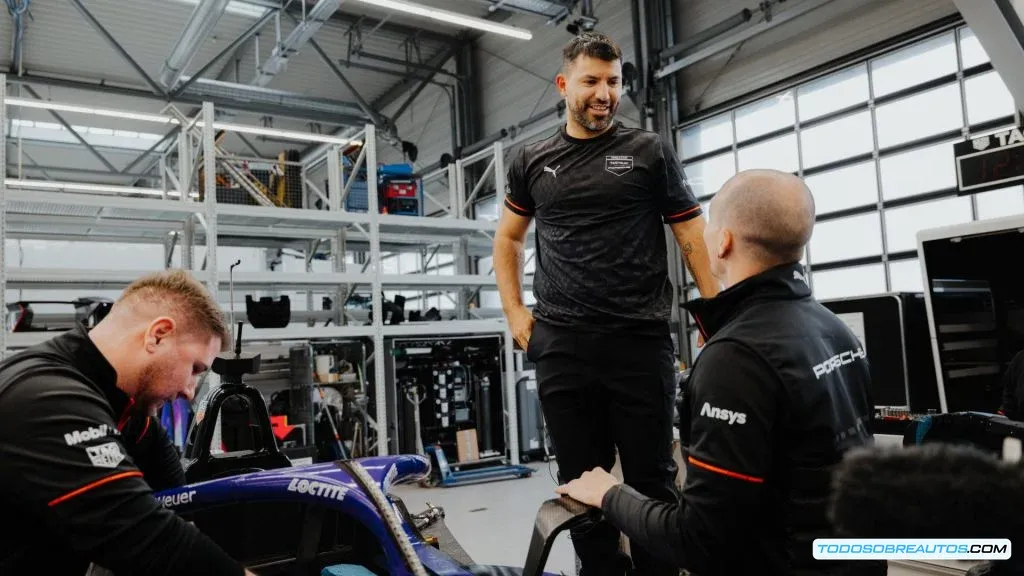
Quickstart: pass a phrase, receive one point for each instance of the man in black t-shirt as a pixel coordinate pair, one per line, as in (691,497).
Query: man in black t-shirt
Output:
(601,194)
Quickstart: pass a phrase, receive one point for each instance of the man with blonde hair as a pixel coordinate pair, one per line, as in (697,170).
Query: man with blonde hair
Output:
(81,450)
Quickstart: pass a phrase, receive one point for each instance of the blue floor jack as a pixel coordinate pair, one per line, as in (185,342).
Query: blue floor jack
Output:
(443,474)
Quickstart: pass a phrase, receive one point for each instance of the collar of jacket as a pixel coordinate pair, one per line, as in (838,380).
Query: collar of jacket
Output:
(88,359)
(784,282)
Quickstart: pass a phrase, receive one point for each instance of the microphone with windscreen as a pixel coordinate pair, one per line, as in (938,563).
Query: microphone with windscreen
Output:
(936,490)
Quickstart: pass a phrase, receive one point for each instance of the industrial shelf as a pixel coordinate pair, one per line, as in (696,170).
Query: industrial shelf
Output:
(174,217)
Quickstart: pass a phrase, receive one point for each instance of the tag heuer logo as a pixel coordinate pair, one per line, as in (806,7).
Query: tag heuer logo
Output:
(107,455)
(618,165)
(980,143)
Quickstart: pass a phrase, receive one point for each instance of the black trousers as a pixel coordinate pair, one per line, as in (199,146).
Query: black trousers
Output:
(600,393)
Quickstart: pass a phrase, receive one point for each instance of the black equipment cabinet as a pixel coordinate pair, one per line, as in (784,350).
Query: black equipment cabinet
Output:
(893,328)
(977,308)
(456,384)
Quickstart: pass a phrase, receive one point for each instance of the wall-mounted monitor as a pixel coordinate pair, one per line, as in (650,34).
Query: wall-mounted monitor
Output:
(974,291)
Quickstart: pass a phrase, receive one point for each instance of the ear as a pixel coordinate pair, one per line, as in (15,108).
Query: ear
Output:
(159,331)
(725,245)
(560,82)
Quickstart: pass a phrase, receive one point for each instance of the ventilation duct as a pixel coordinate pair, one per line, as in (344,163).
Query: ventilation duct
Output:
(200,26)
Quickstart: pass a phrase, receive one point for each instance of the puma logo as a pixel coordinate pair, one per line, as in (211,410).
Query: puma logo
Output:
(554,171)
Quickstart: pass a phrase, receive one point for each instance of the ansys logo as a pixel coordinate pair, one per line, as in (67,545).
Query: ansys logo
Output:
(722,414)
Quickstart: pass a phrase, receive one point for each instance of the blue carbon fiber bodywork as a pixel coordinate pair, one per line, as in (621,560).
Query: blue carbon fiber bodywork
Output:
(333,487)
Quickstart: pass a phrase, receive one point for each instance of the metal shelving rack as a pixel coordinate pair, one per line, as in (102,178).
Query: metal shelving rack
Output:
(52,210)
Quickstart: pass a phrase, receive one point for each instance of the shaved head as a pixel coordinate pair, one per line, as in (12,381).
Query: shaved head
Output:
(759,219)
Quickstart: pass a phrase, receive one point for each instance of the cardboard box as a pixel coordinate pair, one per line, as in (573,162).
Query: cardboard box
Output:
(468,450)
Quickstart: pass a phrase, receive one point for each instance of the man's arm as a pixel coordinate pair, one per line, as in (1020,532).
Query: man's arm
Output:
(153,452)
(733,413)
(690,237)
(681,211)
(64,456)
(509,242)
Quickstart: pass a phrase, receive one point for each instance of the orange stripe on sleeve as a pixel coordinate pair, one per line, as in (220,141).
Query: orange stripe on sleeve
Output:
(516,206)
(684,212)
(725,472)
(95,484)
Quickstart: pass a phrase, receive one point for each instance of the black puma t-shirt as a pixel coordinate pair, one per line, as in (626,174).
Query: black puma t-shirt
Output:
(600,206)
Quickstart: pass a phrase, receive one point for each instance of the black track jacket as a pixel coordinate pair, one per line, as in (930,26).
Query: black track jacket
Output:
(72,461)
(778,394)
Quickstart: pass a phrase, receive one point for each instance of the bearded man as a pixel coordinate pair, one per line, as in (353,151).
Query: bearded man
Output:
(601,194)
(81,449)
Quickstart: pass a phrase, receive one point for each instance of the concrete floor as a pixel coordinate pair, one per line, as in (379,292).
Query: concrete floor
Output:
(493,521)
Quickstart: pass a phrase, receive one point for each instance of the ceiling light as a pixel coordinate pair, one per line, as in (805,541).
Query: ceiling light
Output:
(452,18)
(240,8)
(290,134)
(57,107)
(83,187)
(160,119)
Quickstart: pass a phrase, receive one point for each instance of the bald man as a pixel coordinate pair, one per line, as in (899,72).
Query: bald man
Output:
(778,395)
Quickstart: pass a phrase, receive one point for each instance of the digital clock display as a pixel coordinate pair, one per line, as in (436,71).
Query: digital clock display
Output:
(990,162)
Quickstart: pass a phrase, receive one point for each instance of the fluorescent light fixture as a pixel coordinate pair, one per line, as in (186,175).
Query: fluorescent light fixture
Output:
(58,107)
(160,119)
(83,187)
(452,18)
(289,134)
(240,8)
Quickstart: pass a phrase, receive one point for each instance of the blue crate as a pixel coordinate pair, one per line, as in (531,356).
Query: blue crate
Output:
(356,201)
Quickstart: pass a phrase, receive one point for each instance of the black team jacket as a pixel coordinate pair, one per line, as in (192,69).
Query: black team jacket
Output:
(778,394)
(78,470)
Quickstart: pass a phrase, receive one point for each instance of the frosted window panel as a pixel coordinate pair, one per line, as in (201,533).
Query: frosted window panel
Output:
(389,264)
(903,224)
(847,187)
(905,276)
(707,176)
(987,98)
(918,171)
(971,51)
(487,209)
(846,238)
(914,65)
(835,92)
(849,282)
(836,140)
(408,263)
(919,116)
(999,203)
(765,116)
(778,154)
(94,255)
(709,135)
(443,258)
(485,264)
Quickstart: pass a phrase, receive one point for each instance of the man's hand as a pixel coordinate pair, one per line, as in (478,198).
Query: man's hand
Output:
(589,488)
(520,322)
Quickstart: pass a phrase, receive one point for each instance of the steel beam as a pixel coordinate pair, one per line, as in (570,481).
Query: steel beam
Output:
(197,31)
(157,89)
(414,74)
(724,44)
(377,118)
(73,132)
(229,49)
(407,64)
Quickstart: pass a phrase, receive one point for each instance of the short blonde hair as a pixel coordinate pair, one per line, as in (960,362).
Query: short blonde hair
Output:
(177,291)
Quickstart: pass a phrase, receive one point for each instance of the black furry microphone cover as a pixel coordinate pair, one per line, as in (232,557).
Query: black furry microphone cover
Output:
(930,491)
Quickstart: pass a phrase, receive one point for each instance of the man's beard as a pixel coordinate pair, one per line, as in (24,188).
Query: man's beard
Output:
(579,113)
(147,395)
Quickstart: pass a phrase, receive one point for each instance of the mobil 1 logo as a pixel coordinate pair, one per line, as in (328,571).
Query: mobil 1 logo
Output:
(618,165)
